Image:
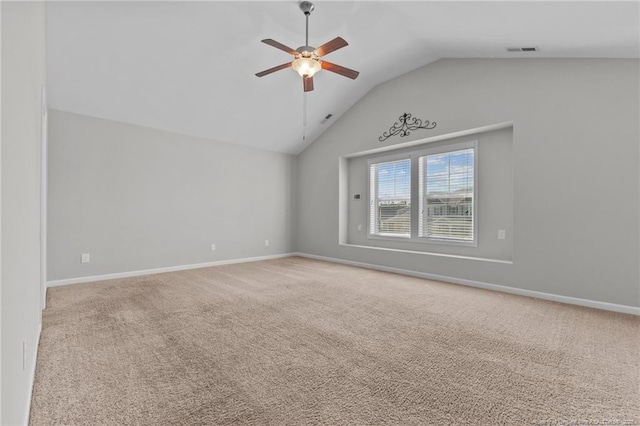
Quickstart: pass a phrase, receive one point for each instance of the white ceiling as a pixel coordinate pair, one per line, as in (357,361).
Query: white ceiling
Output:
(188,67)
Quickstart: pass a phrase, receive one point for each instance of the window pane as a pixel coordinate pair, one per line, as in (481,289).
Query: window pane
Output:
(391,198)
(446,202)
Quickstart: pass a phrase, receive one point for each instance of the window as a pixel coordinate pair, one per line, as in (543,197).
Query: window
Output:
(390,198)
(446,183)
(428,195)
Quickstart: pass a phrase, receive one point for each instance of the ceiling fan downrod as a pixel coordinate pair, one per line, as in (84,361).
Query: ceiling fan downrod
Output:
(307,7)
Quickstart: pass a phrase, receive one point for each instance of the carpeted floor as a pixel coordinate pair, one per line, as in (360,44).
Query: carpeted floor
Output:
(297,342)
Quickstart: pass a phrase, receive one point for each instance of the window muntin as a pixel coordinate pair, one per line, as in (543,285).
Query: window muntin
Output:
(390,198)
(446,182)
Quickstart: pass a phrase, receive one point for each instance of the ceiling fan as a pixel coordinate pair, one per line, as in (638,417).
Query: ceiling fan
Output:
(307,60)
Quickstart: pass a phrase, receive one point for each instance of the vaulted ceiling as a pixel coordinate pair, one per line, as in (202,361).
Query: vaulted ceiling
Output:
(188,67)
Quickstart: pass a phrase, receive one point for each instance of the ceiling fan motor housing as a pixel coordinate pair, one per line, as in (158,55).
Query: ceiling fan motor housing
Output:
(306,51)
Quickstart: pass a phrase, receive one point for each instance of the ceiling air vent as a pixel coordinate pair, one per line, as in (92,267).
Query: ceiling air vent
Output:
(326,118)
(522,49)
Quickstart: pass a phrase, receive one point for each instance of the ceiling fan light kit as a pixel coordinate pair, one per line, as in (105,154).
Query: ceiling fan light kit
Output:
(306,66)
(307,60)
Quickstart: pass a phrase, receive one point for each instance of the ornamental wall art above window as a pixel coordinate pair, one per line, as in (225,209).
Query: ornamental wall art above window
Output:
(407,124)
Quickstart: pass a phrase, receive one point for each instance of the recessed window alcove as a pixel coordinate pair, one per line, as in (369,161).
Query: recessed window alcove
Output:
(493,238)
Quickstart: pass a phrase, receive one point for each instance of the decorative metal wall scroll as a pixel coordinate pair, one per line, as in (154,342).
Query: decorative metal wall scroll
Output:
(407,122)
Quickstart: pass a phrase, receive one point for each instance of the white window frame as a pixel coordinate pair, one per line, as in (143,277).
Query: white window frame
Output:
(379,160)
(415,195)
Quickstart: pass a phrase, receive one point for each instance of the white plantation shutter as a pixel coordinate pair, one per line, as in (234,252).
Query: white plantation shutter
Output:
(390,198)
(446,188)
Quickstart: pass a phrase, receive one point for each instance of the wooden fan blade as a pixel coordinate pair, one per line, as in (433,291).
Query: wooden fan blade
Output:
(308,83)
(340,70)
(331,46)
(280,46)
(274,69)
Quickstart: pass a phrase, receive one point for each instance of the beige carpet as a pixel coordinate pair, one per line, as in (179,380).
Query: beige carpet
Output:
(298,342)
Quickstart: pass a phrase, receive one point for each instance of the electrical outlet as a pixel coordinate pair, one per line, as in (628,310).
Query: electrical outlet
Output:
(266,243)
(86,258)
(502,234)
(213,247)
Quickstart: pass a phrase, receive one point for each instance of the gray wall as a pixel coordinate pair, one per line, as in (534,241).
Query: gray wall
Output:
(23,73)
(137,198)
(575,169)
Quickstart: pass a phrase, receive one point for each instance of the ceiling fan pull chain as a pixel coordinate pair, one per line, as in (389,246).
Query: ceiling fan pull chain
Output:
(304,116)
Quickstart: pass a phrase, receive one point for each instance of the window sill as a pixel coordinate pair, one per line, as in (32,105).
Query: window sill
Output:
(389,237)
(422,241)
(426,253)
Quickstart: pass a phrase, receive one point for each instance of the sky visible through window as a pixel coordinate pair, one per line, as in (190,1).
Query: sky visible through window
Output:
(450,172)
(394,180)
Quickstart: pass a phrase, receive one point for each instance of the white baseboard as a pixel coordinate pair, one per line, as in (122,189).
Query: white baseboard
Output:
(633,310)
(95,278)
(33,375)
